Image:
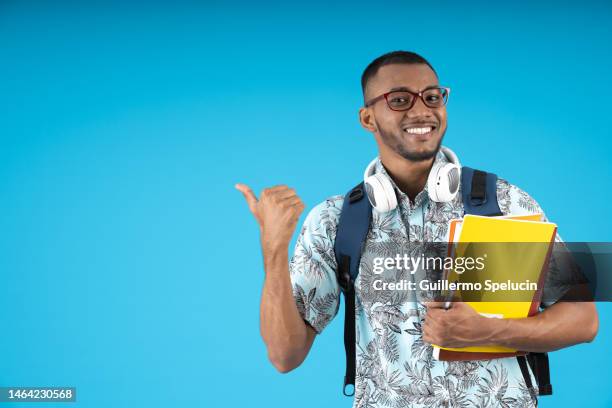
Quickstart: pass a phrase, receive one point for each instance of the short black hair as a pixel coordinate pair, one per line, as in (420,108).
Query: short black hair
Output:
(393,57)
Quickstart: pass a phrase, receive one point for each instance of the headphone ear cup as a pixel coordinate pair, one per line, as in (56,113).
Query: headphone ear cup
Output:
(443,182)
(380,192)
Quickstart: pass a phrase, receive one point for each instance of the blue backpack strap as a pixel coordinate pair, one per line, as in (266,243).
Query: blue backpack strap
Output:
(479,192)
(351,234)
(541,371)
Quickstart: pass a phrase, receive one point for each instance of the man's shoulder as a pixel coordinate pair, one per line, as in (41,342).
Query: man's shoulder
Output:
(326,211)
(322,220)
(513,200)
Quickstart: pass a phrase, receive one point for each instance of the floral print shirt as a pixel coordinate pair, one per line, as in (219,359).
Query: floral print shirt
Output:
(395,367)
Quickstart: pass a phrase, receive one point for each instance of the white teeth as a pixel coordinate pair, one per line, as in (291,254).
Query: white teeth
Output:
(418,131)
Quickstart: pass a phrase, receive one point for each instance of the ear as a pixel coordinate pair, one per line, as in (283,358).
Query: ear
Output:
(367,120)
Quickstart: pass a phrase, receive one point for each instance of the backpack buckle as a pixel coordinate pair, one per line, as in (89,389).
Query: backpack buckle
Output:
(356,194)
(344,275)
(478,193)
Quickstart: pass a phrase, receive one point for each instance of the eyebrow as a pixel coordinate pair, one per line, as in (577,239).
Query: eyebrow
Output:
(404,88)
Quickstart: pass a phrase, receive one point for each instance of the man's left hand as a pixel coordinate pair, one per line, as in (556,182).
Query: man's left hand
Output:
(458,326)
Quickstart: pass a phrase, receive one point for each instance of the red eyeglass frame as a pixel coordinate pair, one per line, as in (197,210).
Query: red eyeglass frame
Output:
(415,94)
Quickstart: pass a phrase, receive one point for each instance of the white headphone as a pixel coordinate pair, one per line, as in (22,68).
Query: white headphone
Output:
(442,183)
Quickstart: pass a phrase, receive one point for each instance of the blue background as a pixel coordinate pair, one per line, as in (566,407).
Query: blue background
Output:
(130,267)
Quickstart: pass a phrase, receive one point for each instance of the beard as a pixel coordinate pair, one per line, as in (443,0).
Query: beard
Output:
(398,145)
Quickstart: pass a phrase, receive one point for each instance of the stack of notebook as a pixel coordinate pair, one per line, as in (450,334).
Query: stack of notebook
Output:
(517,249)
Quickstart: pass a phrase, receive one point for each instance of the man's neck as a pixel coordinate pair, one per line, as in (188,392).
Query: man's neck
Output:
(409,176)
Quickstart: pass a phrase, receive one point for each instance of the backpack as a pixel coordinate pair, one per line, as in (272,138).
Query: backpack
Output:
(479,194)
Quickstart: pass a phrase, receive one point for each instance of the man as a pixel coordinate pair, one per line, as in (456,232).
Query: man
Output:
(394,363)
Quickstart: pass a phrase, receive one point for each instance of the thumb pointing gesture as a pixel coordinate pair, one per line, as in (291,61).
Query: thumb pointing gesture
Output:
(250,198)
(277,211)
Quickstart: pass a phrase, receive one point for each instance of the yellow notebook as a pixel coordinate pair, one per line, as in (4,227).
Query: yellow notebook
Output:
(515,256)
(455,225)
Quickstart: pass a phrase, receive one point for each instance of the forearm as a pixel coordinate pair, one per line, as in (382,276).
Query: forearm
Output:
(284,332)
(561,325)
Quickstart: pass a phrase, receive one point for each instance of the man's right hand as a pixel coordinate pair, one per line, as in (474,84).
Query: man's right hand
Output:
(288,339)
(277,212)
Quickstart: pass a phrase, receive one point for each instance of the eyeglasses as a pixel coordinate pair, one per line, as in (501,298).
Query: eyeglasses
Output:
(434,97)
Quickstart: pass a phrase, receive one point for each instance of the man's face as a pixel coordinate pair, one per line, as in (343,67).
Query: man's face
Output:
(402,131)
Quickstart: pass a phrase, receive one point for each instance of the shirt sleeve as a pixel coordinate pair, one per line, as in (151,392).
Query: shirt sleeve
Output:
(313,266)
(563,273)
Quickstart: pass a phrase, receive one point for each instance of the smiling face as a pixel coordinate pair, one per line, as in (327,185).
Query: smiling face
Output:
(415,134)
